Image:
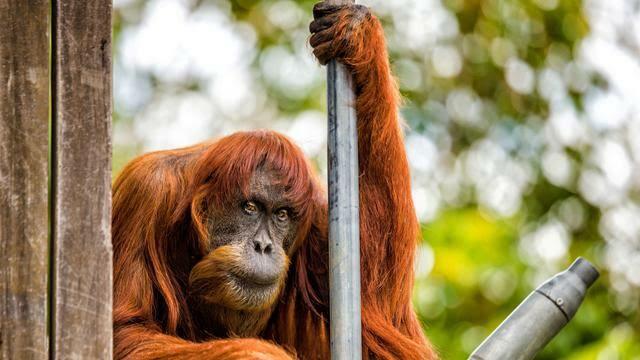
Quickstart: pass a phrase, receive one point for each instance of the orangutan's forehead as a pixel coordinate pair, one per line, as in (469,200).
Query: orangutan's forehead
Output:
(267,185)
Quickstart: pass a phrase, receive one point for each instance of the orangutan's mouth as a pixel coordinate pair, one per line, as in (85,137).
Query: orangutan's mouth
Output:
(254,283)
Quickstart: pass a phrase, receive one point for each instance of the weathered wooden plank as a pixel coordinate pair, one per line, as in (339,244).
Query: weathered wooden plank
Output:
(344,218)
(24,118)
(82,324)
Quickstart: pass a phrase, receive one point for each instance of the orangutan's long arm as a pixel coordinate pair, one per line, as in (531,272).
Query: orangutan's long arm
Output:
(388,224)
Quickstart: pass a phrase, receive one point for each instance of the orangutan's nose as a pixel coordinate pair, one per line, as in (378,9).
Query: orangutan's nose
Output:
(262,244)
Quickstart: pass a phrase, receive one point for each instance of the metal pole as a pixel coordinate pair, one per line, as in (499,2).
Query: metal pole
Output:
(540,316)
(344,220)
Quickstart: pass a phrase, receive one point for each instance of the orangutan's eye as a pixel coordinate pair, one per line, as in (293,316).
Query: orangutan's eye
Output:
(282,215)
(250,207)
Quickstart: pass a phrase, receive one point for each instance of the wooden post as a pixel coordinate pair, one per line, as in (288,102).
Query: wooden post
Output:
(24,119)
(81,277)
(344,219)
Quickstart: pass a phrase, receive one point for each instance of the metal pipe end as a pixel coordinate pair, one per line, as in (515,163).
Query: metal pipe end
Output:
(585,271)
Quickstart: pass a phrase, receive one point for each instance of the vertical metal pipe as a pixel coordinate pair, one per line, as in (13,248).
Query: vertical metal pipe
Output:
(344,220)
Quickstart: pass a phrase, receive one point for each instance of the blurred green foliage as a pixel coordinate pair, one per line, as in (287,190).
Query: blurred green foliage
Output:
(477,281)
(481,87)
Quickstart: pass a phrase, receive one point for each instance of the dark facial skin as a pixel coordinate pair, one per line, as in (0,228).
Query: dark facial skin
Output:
(233,288)
(262,224)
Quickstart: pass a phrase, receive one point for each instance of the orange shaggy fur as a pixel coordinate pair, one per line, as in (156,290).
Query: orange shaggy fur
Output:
(159,206)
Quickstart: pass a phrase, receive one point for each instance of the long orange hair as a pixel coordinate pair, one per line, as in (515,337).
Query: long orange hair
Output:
(160,207)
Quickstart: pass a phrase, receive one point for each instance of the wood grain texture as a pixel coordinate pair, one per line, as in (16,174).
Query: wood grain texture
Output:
(24,111)
(82,323)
